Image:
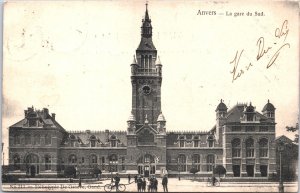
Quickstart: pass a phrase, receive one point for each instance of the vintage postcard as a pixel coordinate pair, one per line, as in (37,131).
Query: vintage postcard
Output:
(179,96)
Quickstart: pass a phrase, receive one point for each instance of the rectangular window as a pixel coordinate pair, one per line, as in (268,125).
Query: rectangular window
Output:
(82,160)
(196,143)
(263,152)
(250,152)
(181,143)
(263,128)
(250,128)
(236,152)
(236,128)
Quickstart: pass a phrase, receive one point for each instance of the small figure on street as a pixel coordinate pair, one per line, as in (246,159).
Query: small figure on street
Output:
(139,183)
(79,185)
(149,184)
(117,181)
(213,180)
(165,183)
(129,178)
(135,178)
(144,185)
(155,183)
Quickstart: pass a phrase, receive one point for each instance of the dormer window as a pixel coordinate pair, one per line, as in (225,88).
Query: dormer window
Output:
(93,141)
(113,141)
(210,141)
(196,141)
(181,141)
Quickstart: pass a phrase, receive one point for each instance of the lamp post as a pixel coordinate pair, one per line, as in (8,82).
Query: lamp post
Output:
(280,149)
(179,167)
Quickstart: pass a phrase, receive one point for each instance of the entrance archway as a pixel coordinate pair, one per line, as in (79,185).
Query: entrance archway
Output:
(146,165)
(32,165)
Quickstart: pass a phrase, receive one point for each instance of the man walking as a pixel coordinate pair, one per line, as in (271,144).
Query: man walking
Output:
(165,183)
(117,181)
(129,177)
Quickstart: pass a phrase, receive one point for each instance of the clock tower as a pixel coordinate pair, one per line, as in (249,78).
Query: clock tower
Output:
(146,79)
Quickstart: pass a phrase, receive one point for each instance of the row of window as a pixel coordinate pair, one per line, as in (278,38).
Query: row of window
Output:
(249,147)
(196,162)
(146,61)
(31,159)
(32,140)
(249,128)
(113,141)
(196,141)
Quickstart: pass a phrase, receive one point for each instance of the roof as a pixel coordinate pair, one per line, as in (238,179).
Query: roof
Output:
(161,117)
(268,107)
(237,112)
(43,118)
(221,106)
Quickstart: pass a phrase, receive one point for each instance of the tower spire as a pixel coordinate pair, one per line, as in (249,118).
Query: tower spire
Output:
(146,14)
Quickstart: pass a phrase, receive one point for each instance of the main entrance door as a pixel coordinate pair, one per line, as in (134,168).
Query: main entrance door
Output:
(146,165)
(32,165)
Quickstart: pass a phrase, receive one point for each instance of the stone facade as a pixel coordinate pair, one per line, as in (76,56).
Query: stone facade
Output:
(242,139)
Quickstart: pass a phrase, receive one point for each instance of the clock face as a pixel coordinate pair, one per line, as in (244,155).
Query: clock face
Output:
(146,89)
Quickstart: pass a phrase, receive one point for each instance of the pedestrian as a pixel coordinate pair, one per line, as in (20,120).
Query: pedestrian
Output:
(135,178)
(149,184)
(165,183)
(129,177)
(144,185)
(155,183)
(117,181)
(79,182)
(139,184)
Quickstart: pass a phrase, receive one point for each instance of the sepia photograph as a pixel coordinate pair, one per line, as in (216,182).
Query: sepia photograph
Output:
(150,96)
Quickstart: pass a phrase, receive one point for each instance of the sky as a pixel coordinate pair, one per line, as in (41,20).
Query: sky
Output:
(73,57)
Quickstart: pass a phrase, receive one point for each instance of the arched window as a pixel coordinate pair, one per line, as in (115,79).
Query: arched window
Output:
(143,61)
(72,159)
(47,162)
(16,162)
(36,139)
(210,141)
(196,161)
(27,139)
(250,147)
(196,141)
(146,62)
(210,162)
(181,141)
(93,159)
(93,141)
(263,147)
(113,141)
(113,163)
(17,139)
(236,147)
(47,139)
(182,163)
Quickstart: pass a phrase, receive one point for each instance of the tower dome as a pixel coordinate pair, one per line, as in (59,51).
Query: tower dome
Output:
(131,117)
(221,106)
(268,107)
(161,117)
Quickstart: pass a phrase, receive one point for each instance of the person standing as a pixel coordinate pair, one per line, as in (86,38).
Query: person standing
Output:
(165,183)
(117,181)
(155,183)
(144,185)
(129,178)
(139,184)
(135,179)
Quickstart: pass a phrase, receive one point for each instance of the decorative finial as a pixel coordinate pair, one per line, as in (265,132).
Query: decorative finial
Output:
(146,4)
(146,120)
(268,101)
(221,100)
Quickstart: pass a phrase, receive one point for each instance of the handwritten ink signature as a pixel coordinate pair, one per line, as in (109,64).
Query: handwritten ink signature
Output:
(262,52)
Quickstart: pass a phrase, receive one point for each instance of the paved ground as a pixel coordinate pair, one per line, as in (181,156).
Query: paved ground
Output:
(174,186)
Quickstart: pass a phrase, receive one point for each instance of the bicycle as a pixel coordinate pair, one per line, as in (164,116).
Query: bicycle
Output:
(111,186)
(210,182)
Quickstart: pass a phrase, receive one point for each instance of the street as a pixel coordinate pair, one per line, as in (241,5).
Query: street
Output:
(174,186)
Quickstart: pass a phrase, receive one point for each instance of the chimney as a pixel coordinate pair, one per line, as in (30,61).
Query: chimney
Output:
(25,112)
(53,115)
